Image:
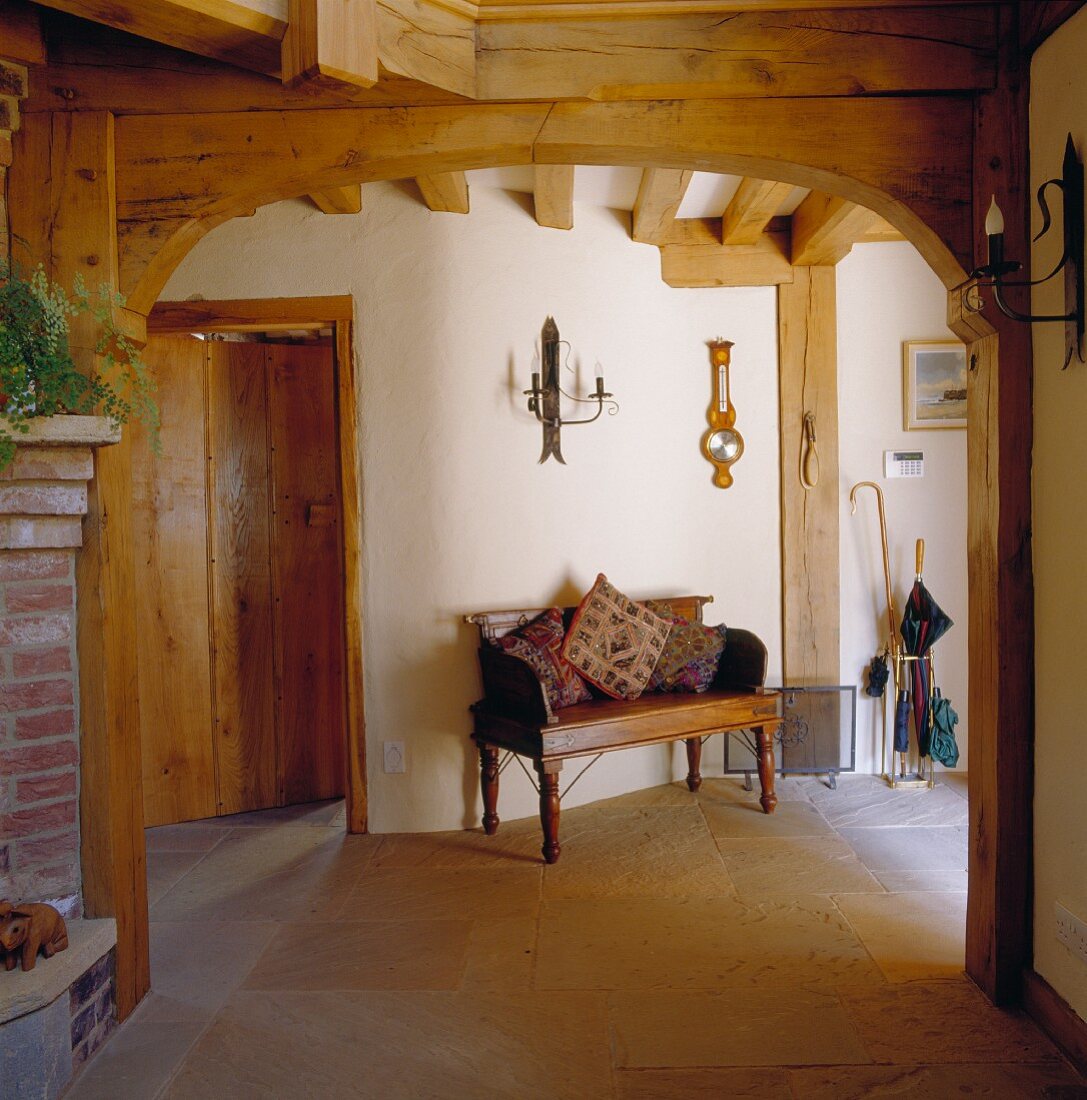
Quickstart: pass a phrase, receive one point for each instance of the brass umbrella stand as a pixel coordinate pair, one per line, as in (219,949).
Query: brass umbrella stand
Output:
(900,773)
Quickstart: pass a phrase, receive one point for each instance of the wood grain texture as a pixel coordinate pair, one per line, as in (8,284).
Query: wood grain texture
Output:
(445,192)
(428,43)
(250,315)
(21,32)
(825,228)
(169,526)
(240,576)
(330,43)
(307,574)
(811,601)
(347,418)
(553,192)
(338,200)
(226,30)
(746,54)
(764,263)
(1055,1016)
(659,196)
(750,210)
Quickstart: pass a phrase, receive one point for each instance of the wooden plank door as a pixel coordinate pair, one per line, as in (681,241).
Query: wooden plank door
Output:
(241,577)
(307,572)
(169,528)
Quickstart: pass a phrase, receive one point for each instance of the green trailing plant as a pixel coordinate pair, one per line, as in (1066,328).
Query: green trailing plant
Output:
(38,376)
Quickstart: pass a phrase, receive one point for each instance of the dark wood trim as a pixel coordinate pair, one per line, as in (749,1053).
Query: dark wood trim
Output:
(282,314)
(1056,1017)
(1038,19)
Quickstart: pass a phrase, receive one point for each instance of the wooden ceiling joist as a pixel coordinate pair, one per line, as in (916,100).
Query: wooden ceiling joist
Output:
(825,228)
(708,264)
(338,200)
(446,193)
(752,207)
(659,196)
(330,45)
(554,194)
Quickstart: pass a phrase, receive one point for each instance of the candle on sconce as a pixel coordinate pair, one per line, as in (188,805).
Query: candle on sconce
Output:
(994,231)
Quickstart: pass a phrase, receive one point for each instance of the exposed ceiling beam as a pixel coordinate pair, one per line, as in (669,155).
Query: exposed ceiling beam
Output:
(228,31)
(554,193)
(751,208)
(761,53)
(338,200)
(825,228)
(659,196)
(446,193)
(330,45)
(880,231)
(506,10)
(709,264)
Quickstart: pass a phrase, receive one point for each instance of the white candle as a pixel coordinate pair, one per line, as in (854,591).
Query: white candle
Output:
(994,220)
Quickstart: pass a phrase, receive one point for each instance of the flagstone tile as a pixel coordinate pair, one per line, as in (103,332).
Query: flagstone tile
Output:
(698,943)
(393,954)
(319,814)
(516,842)
(1000,1082)
(432,893)
(804,865)
(196,965)
(402,1044)
(912,881)
(636,853)
(739,820)
(669,794)
(501,955)
(761,1028)
(764,1083)
(911,936)
(922,1023)
(282,873)
(941,848)
(866,800)
(956,781)
(188,836)
(730,788)
(166,869)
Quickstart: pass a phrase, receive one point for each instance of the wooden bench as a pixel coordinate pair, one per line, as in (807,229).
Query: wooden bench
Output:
(515,716)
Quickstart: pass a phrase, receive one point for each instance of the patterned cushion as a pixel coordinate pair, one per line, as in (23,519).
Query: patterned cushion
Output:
(691,654)
(538,644)
(613,642)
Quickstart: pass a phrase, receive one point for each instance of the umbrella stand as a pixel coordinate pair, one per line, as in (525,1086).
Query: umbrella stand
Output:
(894,645)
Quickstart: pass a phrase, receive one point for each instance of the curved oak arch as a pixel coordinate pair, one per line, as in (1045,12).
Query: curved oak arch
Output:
(167,201)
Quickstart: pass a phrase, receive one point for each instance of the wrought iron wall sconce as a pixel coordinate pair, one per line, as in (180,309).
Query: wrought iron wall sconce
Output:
(993,274)
(545,397)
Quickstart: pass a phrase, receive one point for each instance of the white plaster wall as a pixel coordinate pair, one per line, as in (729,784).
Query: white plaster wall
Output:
(887,295)
(458,514)
(1058,96)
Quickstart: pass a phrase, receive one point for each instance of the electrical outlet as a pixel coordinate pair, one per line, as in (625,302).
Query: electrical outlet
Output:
(395,762)
(1071,931)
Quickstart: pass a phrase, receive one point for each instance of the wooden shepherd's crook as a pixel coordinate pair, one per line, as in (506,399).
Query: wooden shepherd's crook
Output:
(891,615)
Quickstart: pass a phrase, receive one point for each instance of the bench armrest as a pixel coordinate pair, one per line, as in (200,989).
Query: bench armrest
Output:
(743,663)
(512,688)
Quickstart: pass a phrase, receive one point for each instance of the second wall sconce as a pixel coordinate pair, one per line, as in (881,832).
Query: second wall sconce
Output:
(993,273)
(545,397)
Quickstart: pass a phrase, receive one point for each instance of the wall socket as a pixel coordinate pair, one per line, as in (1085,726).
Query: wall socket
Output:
(395,761)
(1071,931)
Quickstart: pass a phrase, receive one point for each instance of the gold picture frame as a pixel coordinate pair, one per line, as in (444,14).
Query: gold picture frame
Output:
(933,384)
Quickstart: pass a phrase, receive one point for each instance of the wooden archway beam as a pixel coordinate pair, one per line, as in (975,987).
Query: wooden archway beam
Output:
(167,198)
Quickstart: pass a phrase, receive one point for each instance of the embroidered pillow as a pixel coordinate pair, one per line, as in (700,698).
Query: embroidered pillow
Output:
(613,642)
(691,654)
(538,644)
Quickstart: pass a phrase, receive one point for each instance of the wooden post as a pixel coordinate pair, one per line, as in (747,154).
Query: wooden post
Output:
(68,223)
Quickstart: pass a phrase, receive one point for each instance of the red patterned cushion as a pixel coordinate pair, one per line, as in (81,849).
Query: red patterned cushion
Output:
(539,645)
(691,654)
(613,642)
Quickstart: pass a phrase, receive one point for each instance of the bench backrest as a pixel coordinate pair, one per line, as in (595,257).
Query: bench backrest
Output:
(495,624)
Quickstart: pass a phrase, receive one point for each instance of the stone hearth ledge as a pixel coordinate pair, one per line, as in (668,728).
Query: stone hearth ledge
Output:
(68,431)
(24,992)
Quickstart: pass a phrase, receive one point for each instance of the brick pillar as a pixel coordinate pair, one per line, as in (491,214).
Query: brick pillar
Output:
(43,496)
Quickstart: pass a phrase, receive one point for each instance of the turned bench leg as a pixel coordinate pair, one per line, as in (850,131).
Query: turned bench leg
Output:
(694,763)
(549,808)
(768,799)
(488,781)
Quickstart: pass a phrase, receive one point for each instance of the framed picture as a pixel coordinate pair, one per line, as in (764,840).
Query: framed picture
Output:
(933,384)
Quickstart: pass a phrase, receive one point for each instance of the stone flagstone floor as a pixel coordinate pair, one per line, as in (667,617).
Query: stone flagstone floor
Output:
(684,946)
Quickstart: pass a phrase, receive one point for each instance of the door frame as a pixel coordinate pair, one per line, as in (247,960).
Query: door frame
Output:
(308,314)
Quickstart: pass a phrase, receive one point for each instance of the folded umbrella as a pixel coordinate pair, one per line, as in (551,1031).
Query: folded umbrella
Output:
(923,624)
(902,722)
(943,746)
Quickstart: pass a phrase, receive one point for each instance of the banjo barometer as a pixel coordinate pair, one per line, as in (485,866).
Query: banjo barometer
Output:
(722,444)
